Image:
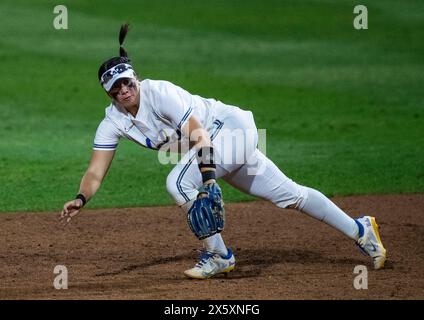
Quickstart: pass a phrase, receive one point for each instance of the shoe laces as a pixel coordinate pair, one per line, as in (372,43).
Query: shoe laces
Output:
(361,242)
(204,257)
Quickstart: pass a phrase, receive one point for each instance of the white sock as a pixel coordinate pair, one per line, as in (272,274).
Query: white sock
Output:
(320,207)
(215,244)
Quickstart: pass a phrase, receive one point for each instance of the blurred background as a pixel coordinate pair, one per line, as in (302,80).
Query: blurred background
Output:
(343,108)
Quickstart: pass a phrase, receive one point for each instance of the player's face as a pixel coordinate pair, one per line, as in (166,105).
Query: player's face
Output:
(125,92)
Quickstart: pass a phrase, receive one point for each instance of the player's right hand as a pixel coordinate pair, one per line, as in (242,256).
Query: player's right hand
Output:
(70,210)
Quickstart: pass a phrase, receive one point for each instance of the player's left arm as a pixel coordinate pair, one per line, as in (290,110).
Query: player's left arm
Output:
(203,146)
(206,216)
(175,104)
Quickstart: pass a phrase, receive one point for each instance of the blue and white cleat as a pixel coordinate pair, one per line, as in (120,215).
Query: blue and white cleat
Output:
(369,241)
(211,264)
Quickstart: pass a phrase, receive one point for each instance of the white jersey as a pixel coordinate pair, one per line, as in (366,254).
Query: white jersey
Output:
(164,109)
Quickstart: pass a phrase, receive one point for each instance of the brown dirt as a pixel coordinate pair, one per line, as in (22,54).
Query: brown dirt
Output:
(141,253)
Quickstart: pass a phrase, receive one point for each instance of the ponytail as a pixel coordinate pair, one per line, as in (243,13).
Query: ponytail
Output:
(123,55)
(122,34)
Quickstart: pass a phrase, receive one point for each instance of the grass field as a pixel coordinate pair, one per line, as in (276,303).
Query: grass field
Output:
(343,109)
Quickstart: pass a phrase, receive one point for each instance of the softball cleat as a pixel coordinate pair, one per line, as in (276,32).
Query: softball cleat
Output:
(369,241)
(211,264)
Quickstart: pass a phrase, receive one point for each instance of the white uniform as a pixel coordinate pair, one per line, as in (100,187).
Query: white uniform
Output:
(165,108)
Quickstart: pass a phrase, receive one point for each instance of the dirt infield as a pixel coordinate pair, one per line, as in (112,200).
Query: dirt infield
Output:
(141,253)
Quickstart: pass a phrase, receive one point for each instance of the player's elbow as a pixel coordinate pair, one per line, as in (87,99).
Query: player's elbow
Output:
(195,131)
(200,138)
(93,177)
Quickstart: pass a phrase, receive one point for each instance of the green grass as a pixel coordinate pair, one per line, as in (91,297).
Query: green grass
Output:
(343,109)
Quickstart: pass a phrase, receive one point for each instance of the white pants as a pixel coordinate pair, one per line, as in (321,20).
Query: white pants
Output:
(244,167)
(239,163)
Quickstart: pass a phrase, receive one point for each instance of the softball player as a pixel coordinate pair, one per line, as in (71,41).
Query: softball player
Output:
(216,141)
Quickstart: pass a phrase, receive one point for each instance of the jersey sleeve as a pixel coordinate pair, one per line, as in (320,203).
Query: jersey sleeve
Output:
(173,103)
(107,136)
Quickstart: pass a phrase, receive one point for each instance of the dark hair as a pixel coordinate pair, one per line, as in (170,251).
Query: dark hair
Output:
(123,55)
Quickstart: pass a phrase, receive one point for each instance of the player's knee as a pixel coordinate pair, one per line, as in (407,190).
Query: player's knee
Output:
(293,197)
(301,198)
(181,190)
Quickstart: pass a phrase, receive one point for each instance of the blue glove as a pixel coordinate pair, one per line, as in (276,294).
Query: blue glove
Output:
(207,214)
